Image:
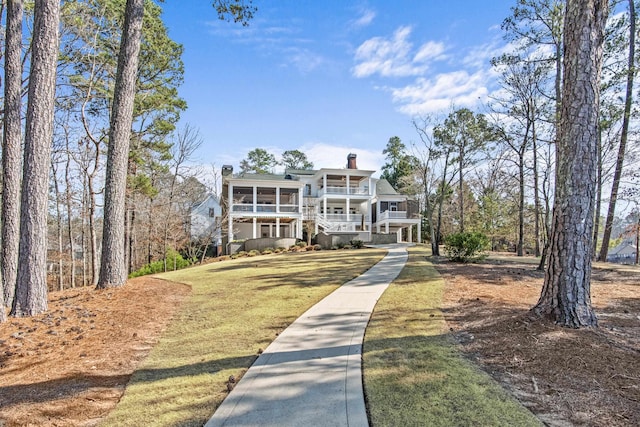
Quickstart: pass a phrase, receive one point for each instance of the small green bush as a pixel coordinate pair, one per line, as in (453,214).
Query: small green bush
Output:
(301,244)
(356,244)
(466,247)
(267,251)
(175,261)
(253,253)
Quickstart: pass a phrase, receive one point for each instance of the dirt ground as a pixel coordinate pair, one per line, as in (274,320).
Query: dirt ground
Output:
(69,366)
(567,377)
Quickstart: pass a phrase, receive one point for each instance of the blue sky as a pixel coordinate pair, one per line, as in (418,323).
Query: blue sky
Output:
(331,77)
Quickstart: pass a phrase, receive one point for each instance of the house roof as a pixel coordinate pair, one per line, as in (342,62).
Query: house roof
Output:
(384,188)
(210,196)
(624,248)
(300,171)
(261,176)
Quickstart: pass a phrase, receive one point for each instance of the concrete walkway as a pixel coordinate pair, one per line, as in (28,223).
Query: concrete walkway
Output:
(311,375)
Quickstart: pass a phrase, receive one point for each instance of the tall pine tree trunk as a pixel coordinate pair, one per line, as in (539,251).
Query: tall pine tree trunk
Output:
(566,294)
(606,237)
(11,154)
(113,268)
(31,292)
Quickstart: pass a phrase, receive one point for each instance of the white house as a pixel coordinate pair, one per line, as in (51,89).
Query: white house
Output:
(347,201)
(624,253)
(206,220)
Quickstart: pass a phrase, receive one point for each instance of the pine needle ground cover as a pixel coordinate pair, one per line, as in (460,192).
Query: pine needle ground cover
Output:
(236,308)
(414,375)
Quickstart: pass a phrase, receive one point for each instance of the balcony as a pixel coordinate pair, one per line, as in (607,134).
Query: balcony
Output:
(344,190)
(264,208)
(387,215)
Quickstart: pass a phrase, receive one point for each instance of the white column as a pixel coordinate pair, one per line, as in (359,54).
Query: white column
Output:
(278,199)
(420,231)
(324,207)
(348,206)
(230,208)
(410,234)
(255,227)
(301,202)
(277,227)
(386,227)
(255,199)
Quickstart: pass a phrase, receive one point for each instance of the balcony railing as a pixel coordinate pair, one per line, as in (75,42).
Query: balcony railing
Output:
(343,189)
(386,215)
(268,208)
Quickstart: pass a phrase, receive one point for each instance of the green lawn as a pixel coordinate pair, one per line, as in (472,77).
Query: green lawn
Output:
(236,307)
(414,375)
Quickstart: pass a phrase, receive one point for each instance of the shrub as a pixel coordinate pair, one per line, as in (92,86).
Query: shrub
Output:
(301,244)
(356,244)
(267,251)
(253,253)
(317,247)
(465,247)
(175,261)
(309,248)
(347,246)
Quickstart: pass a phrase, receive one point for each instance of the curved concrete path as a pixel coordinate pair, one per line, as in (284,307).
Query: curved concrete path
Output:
(311,375)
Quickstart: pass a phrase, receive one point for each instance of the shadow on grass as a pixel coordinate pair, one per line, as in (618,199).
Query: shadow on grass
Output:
(44,391)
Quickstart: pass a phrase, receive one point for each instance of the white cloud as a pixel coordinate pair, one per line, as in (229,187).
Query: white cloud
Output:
(457,88)
(441,76)
(392,57)
(366,18)
(303,59)
(430,51)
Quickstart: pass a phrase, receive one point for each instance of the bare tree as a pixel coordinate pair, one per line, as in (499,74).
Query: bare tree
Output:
(187,141)
(566,296)
(31,292)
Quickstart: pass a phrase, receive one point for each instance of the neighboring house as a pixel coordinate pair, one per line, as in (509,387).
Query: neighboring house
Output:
(624,253)
(346,201)
(206,220)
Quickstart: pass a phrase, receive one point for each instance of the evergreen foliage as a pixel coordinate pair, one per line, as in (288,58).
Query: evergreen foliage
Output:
(466,247)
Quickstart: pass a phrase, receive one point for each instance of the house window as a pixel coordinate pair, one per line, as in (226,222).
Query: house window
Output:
(212,212)
(393,206)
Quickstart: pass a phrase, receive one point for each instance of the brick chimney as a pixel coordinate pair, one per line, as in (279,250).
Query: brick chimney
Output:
(351,161)
(227,170)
